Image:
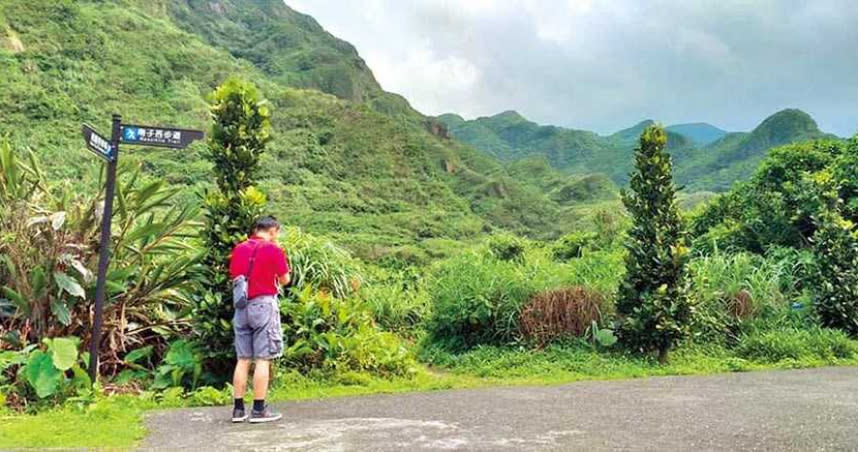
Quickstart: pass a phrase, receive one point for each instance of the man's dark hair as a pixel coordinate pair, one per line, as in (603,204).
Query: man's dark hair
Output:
(266,223)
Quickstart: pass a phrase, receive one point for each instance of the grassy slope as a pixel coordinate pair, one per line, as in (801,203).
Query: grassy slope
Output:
(369,172)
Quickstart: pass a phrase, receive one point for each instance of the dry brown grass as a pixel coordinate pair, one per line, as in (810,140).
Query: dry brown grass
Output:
(741,305)
(555,314)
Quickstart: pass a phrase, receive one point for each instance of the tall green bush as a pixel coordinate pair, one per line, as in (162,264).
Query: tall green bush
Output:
(835,286)
(778,206)
(239,133)
(654,304)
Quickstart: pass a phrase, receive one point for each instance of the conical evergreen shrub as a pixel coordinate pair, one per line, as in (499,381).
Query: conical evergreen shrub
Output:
(240,131)
(654,305)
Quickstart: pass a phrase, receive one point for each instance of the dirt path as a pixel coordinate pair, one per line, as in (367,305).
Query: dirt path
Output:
(786,410)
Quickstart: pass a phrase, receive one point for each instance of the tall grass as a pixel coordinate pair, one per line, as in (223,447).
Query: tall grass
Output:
(396,308)
(477,298)
(743,292)
(319,263)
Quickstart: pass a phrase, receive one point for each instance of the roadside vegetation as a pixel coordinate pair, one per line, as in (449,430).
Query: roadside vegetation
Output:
(596,303)
(419,263)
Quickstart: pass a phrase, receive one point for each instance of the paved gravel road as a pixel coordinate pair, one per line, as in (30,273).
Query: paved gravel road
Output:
(783,410)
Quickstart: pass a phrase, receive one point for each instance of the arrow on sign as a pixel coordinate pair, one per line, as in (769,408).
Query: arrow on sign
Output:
(159,136)
(98,144)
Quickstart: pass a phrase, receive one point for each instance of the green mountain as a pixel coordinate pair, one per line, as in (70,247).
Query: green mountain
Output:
(736,155)
(700,166)
(631,134)
(565,189)
(289,47)
(346,159)
(700,133)
(509,137)
(628,138)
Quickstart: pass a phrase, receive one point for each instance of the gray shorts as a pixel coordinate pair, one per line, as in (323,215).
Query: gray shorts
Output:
(257,329)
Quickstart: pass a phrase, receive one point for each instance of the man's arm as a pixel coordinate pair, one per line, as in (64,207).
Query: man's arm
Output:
(283,271)
(234,271)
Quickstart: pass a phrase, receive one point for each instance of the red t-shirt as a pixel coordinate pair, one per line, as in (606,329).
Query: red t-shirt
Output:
(270,263)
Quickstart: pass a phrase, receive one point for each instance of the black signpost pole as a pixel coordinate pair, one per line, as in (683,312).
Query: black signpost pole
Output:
(104,250)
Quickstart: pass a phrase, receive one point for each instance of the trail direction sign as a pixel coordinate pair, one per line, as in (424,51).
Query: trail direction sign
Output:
(159,136)
(167,137)
(98,144)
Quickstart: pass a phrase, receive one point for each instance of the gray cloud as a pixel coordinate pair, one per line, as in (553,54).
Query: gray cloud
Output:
(604,65)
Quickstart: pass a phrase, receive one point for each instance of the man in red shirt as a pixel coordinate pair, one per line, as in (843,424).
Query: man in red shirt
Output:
(258,336)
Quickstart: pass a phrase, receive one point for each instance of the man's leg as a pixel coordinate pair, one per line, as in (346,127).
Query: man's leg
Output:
(239,378)
(261,375)
(267,345)
(244,351)
(239,386)
(260,379)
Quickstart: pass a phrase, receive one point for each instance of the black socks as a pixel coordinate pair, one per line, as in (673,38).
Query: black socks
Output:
(258,405)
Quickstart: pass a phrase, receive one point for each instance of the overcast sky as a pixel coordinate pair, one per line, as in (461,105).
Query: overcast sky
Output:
(605,65)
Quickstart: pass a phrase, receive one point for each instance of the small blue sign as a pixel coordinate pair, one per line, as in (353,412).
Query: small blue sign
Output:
(98,144)
(130,134)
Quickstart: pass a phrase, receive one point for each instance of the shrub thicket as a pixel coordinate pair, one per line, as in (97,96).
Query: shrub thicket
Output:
(326,318)
(335,334)
(794,185)
(478,299)
(49,247)
(835,283)
(506,247)
(397,299)
(733,290)
(319,263)
(572,245)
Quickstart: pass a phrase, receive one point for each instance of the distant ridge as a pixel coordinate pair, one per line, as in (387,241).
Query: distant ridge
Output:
(700,133)
(706,157)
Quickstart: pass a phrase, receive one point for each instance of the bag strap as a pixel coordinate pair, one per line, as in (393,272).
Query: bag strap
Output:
(252,260)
